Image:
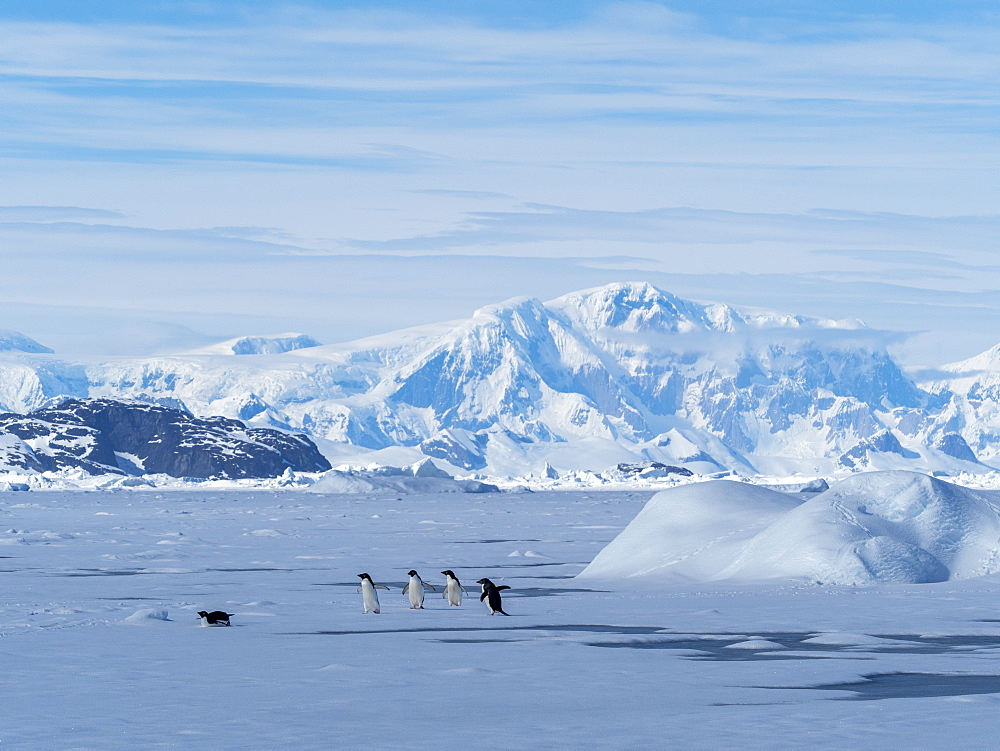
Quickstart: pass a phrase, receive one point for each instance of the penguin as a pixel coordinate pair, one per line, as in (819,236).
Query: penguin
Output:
(416,589)
(215,618)
(368,594)
(453,588)
(491,593)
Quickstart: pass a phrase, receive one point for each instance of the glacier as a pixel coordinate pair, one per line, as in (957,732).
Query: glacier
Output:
(620,373)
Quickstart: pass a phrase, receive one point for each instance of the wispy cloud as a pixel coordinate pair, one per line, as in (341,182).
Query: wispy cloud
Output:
(290,154)
(54,213)
(285,66)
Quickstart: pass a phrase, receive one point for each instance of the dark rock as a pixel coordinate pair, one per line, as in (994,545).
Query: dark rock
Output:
(884,442)
(107,436)
(460,448)
(954,445)
(649,468)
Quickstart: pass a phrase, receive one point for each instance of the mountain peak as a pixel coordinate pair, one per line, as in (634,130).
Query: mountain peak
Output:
(632,307)
(15,341)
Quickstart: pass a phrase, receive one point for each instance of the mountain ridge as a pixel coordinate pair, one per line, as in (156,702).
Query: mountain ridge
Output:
(615,373)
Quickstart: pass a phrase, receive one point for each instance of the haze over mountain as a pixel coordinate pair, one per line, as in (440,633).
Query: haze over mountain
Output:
(615,373)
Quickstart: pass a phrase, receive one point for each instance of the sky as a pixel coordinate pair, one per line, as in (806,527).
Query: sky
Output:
(176,173)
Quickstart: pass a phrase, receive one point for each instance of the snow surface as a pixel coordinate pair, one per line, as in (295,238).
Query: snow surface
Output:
(102,648)
(872,527)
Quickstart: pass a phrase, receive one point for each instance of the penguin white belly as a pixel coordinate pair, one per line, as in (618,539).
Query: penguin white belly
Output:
(454,593)
(416,591)
(369,596)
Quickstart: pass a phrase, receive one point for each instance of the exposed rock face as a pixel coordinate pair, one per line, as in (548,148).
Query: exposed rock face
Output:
(107,436)
(880,443)
(457,447)
(953,444)
(647,470)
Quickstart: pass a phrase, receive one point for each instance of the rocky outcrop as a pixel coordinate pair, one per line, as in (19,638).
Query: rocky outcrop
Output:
(107,436)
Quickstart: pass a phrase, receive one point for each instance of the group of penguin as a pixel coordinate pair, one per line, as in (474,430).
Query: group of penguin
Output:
(414,588)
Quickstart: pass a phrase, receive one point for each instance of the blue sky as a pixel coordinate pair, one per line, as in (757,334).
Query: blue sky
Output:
(176,172)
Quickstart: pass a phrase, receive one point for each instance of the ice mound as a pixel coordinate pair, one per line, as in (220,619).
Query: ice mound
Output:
(873,527)
(145,616)
(423,477)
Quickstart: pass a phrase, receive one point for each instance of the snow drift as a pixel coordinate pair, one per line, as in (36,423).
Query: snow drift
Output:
(422,477)
(874,527)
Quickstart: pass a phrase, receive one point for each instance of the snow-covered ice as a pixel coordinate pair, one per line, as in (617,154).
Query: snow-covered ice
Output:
(579,664)
(877,526)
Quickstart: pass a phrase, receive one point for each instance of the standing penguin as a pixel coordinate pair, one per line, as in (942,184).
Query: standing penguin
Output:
(453,588)
(368,593)
(491,593)
(416,589)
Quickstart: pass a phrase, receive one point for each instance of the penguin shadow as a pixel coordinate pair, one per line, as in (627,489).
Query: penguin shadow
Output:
(517,592)
(498,624)
(532,565)
(478,542)
(123,599)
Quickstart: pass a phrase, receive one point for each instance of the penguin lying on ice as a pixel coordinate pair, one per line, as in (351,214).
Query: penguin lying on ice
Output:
(416,589)
(215,618)
(453,588)
(491,593)
(368,594)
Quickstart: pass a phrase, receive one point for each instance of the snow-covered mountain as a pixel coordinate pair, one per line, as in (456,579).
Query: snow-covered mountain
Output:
(614,374)
(969,396)
(15,341)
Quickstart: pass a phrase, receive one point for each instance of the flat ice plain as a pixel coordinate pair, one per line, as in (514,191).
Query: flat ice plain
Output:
(90,663)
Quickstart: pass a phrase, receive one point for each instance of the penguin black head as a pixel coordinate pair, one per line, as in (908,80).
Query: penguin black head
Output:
(484,582)
(364,576)
(449,572)
(413,573)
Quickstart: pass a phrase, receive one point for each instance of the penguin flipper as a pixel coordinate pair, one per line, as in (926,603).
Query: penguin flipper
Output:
(431,586)
(464,589)
(502,587)
(381,586)
(359,589)
(482,597)
(406,588)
